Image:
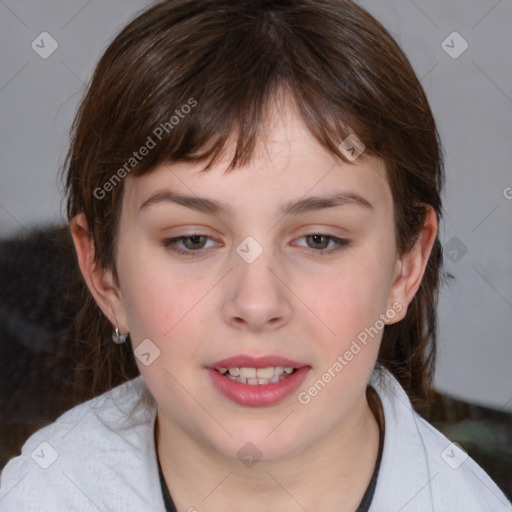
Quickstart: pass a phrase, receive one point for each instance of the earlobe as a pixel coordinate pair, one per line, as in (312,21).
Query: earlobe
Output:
(99,280)
(410,267)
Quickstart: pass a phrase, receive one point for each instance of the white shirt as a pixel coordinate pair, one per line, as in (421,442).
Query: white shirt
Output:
(95,458)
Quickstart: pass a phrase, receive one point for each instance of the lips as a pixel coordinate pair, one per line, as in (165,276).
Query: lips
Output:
(258,394)
(247,361)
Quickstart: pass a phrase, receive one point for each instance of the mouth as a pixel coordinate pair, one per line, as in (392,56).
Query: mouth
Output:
(260,370)
(257,376)
(257,381)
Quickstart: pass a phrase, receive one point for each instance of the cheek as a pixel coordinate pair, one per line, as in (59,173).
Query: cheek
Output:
(160,305)
(167,311)
(348,330)
(155,294)
(351,300)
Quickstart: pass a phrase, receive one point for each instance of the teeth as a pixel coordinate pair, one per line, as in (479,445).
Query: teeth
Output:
(265,373)
(247,373)
(256,376)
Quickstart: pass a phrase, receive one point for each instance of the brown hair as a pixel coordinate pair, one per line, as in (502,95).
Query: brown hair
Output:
(227,60)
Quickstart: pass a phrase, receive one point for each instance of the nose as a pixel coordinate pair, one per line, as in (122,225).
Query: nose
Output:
(258,298)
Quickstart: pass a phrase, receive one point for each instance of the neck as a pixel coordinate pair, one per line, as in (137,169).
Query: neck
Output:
(331,475)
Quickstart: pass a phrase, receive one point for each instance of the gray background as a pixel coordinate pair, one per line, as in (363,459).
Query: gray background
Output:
(471,97)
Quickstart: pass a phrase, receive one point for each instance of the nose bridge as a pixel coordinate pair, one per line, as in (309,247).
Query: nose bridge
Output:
(257,298)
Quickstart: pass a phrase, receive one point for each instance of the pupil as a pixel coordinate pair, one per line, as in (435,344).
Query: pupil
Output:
(196,239)
(317,239)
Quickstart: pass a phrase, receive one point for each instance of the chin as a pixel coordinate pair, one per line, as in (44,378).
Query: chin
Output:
(258,445)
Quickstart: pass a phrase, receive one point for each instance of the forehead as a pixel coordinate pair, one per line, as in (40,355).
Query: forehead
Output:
(288,164)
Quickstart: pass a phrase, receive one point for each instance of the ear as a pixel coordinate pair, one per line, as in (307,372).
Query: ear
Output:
(100,281)
(410,268)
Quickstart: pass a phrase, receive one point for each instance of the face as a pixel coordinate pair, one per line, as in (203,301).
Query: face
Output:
(256,276)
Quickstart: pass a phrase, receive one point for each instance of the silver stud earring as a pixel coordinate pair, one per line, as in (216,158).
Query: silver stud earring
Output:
(119,338)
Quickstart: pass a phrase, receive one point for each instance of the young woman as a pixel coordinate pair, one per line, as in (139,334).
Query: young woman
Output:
(254,192)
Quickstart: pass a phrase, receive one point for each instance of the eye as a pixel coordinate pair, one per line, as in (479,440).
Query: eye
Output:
(320,243)
(192,243)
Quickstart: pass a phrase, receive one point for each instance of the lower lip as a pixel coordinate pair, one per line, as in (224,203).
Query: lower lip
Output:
(260,394)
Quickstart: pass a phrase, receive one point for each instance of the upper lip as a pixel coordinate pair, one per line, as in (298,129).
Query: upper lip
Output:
(247,361)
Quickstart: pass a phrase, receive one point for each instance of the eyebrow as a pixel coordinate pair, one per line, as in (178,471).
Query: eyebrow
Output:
(211,206)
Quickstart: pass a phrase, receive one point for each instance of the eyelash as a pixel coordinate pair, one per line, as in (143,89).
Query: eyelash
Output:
(340,243)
